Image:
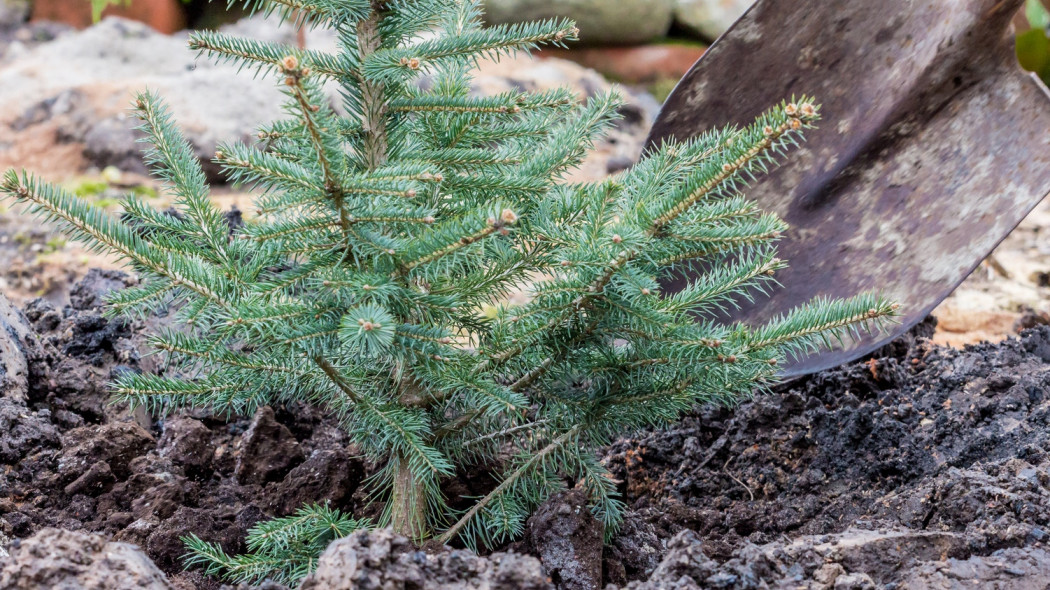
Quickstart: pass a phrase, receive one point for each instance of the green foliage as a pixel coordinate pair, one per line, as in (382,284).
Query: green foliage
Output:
(284,550)
(1033,45)
(386,234)
(97,6)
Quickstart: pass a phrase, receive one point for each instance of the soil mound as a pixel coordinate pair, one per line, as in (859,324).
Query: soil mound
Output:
(926,467)
(938,453)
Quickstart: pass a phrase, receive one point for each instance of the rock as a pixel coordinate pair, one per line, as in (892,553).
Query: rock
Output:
(70,96)
(568,540)
(18,347)
(189,443)
(113,141)
(382,559)
(601,22)
(619,164)
(709,18)
(109,62)
(13,13)
(268,450)
(54,558)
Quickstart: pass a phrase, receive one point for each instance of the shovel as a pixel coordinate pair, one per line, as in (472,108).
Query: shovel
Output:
(934,145)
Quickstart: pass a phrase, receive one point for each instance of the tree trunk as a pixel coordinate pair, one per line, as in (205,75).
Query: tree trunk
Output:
(408,503)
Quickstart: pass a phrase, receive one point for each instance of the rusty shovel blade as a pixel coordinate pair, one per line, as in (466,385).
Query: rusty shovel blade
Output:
(934,145)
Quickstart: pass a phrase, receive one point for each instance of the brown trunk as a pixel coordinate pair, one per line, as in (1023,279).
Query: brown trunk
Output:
(407,503)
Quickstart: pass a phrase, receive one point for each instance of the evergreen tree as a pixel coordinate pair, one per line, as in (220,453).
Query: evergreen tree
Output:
(384,234)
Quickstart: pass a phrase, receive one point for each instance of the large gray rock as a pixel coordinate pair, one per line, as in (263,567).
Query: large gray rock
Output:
(709,18)
(381,559)
(70,97)
(13,13)
(54,558)
(18,346)
(82,85)
(601,22)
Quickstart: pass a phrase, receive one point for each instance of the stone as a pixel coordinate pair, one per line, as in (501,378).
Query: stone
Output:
(112,141)
(709,18)
(64,103)
(55,558)
(601,22)
(13,13)
(107,64)
(18,346)
(383,559)
(268,450)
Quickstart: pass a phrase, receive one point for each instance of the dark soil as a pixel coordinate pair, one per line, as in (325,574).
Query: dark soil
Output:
(923,456)
(919,439)
(71,459)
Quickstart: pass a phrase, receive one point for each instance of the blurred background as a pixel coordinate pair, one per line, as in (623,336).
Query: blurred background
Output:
(68,69)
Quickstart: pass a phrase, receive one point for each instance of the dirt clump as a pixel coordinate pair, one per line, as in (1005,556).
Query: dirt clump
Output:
(54,558)
(382,559)
(268,451)
(568,540)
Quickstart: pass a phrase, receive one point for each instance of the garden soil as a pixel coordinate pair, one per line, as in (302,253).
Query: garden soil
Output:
(924,467)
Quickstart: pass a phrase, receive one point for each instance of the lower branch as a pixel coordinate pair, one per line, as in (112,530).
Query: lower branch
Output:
(506,484)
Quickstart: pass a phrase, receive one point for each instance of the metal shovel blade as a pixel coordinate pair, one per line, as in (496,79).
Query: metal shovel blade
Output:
(934,145)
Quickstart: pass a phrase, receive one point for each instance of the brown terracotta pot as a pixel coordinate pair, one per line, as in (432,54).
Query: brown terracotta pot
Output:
(634,65)
(166,16)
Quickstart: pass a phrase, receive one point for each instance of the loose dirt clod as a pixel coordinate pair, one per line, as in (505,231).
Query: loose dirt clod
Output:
(382,559)
(568,540)
(54,558)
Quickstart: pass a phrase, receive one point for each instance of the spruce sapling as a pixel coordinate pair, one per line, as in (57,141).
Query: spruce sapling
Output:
(383,234)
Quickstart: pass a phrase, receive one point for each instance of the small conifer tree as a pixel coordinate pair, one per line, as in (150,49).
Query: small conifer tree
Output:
(384,234)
